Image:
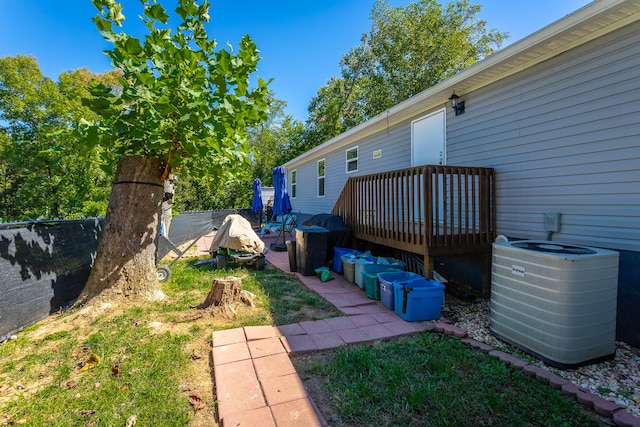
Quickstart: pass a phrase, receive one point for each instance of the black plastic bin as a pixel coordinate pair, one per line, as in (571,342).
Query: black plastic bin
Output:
(311,248)
(291,250)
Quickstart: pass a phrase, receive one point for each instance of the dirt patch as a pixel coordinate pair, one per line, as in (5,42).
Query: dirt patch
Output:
(314,383)
(78,319)
(198,383)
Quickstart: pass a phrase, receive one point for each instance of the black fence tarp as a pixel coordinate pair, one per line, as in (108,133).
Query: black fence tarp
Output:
(44,266)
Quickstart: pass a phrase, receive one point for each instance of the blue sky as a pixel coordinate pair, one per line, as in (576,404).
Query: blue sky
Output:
(301,42)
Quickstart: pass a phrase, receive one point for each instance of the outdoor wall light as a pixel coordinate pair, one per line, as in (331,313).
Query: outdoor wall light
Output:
(456,104)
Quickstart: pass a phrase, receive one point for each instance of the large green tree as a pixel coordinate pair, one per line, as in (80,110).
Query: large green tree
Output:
(271,143)
(184,107)
(43,174)
(407,50)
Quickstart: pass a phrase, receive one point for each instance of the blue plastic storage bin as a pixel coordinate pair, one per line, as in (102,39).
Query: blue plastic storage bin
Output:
(386,293)
(337,258)
(370,279)
(387,280)
(418,299)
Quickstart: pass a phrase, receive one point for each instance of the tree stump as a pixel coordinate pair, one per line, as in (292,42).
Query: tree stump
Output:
(224,294)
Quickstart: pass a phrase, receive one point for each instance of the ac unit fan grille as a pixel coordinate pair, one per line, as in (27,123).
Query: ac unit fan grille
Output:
(554,248)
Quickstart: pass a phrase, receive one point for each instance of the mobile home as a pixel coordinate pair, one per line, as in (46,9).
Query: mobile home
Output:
(555,117)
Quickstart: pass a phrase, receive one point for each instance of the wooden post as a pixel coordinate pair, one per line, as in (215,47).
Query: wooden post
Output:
(428,266)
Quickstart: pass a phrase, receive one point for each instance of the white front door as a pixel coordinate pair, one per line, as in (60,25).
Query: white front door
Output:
(428,136)
(428,140)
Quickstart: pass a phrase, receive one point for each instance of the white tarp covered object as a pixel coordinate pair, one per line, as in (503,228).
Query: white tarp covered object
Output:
(236,234)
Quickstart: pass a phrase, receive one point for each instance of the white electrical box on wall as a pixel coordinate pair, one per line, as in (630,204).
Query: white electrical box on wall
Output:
(552,222)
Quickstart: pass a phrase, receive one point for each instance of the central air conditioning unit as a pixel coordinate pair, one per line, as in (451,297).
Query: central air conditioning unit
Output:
(555,301)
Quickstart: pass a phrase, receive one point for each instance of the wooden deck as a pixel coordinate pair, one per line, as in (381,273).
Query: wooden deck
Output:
(427,210)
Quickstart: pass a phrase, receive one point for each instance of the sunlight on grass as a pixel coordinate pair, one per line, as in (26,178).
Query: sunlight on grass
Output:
(434,379)
(137,374)
(136,362)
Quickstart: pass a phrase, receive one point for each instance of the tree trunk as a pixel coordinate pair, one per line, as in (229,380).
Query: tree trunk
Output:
(125,264)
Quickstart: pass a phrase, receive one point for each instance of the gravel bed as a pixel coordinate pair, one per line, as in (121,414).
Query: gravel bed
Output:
(617,380)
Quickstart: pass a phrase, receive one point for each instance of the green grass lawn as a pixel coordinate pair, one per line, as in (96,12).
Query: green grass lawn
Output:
(152,361)
(433,380)
(147,361)
(117,371)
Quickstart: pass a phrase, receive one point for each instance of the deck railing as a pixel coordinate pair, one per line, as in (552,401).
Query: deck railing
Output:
(429,210)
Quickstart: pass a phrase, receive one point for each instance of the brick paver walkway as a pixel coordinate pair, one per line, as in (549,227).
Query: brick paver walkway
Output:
(255,381)
(257,385)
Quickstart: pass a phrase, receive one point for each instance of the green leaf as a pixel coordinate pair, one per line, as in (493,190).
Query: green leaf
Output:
(102,24)
(132,46)
(115,13)
(187,8)
(156,12)
(224,59)
(146,78)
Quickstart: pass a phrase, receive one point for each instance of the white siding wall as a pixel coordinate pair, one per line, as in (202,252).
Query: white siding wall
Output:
(396,154)
(563,136)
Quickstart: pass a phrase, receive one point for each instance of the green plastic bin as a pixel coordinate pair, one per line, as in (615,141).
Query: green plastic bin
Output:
(370,278)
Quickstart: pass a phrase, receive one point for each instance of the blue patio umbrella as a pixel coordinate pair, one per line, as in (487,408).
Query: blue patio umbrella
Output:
(256,204)
(281,202)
